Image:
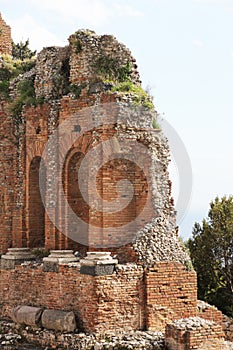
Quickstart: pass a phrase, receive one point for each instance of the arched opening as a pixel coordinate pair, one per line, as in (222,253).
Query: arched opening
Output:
(76,235)
(36,222)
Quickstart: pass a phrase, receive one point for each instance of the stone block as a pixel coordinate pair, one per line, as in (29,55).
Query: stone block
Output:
(98,264)
(56,258)
(15,256)
(28,315)
(98,270)
(59,320)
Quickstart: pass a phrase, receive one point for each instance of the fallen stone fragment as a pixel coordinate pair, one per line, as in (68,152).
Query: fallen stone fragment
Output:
(28,315)
(59,320)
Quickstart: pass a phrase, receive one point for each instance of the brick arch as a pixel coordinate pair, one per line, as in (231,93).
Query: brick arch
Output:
(36,210)
(75,201)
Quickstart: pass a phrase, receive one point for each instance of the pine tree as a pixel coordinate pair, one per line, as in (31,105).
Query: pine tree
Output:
(21,51)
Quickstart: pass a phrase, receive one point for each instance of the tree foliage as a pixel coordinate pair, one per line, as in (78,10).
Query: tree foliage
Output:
(211,250)
(21,51)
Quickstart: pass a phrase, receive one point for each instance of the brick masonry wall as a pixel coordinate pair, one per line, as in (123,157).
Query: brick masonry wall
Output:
(194,333)
(5,38)
(128,299)
(84,65)
(103,303)
(171,294)
(8,153)
(209,312)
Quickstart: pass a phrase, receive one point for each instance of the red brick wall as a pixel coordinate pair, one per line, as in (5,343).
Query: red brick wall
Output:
(171,293)
(36,229)
(8,155)
(102,303)
(5,38)
(202,337)
(28,229)
(125,300)
(211,313)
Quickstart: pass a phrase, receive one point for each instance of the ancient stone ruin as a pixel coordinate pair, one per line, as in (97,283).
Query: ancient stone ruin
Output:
(130,271)
(5,38)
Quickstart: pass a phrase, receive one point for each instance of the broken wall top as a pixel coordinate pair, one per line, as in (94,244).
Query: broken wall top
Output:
(5,38)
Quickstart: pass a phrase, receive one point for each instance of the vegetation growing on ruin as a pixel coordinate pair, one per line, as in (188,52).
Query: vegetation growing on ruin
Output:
(140,97)
(78,46)
(76,89)
(40,253)
(155,124)
(26,96)
(108,68)
(21,61)
(11,68)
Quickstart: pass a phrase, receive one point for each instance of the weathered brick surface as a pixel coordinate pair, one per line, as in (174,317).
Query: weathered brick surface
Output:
(8,154)
(128,299)
(5,38)
(84,65)
(171,294)
(209,312)
(194,333)
(101,303)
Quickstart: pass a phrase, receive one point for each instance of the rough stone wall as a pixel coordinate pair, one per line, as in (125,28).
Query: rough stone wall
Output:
(91,54)
(171,294)
(5,38)
(52,73)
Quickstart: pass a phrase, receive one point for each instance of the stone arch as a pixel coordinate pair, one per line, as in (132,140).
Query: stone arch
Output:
(36,215)
(75,201)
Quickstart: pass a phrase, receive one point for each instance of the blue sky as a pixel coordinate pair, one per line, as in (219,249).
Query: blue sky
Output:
(184,50)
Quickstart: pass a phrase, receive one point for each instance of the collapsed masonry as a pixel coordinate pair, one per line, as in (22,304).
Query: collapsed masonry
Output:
(92,86)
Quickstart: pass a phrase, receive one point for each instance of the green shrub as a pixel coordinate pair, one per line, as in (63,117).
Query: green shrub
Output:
(26,96)
(40,252)
(78,46)
(4,89)
(108,68)
(9,70)
(76,89)
(140,96)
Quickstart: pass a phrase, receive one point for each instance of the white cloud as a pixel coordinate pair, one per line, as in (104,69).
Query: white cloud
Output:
(198,43)
(232,53)
(26,27)
(91,12)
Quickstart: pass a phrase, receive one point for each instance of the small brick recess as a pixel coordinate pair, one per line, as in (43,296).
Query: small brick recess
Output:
(5,38)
